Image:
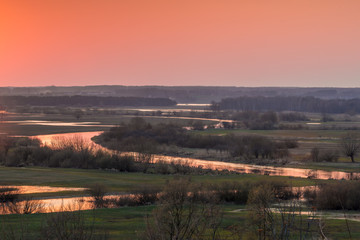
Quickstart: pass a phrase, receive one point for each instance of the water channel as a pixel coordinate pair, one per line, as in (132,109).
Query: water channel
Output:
(218,165)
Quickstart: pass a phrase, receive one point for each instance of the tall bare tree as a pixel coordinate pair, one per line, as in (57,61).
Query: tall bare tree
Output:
(184,212)
(350,145)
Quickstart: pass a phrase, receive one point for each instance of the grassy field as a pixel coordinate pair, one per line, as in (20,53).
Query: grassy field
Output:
(317,134)
(307,140)
(119,182)
(121,223)
(128,223)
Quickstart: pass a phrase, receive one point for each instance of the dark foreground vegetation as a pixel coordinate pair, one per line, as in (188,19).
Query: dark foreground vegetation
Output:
(183,209)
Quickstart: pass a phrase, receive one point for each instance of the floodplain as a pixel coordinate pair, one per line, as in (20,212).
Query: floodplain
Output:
(129,222)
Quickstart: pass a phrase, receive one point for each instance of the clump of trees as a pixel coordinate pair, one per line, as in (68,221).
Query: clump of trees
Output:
(285,221)
(348,145)
(139,136)
(64,152)
(324,155)
(293,116)
(340,195)
(77,153)
(256,120)
(186,210)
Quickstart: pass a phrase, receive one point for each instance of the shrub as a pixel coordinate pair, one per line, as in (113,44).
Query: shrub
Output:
(97,192)
(337,196)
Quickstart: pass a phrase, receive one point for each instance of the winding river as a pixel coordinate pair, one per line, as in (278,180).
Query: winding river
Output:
(218,165)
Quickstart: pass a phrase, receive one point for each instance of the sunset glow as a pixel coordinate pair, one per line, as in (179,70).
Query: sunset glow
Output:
(198,42)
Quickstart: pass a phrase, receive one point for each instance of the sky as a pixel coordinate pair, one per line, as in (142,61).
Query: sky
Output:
(304,43)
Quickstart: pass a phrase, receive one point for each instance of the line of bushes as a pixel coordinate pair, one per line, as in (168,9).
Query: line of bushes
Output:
(140,136)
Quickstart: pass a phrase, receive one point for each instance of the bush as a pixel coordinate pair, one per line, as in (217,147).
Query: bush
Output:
(97,192)
(232,192)
(69,224)
(146,195)
(337,196)
(293,117)
(323,155)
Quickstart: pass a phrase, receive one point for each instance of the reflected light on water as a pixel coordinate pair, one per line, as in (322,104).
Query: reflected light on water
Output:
(43,189)
(217,165)
(59,123)
(60,204)
(49,139)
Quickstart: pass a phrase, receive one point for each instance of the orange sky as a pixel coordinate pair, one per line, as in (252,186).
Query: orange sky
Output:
(180,42)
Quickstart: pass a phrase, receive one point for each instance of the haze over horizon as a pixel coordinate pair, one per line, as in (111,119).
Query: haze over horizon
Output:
(300,43)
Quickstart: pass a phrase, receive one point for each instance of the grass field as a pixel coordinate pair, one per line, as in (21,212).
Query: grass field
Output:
(119,182)
(128,223)
(307,139)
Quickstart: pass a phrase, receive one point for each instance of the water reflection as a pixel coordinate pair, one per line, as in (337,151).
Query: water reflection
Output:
(180,107)
(194,104)
(59,123)
(217,165)
(263,170)
(51,205)
(193,118)
(164,110)
(50,139)
(43,189)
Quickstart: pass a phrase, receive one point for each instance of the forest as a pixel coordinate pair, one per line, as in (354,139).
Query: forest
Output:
(281,103)
(94,101)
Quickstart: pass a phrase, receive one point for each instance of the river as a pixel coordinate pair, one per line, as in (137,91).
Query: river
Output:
(218,165)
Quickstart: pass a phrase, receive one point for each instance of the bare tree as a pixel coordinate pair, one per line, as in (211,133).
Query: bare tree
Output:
(184,212)
(25,205)
(71,224)
(283,220)
(8,196)
(350,145)
(98,192)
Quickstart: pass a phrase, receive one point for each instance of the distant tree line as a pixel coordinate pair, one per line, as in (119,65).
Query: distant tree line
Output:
(184,94)
(83,101)
(297,104)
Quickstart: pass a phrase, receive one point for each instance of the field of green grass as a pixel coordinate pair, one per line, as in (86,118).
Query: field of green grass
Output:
(120,182)
(128,223)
